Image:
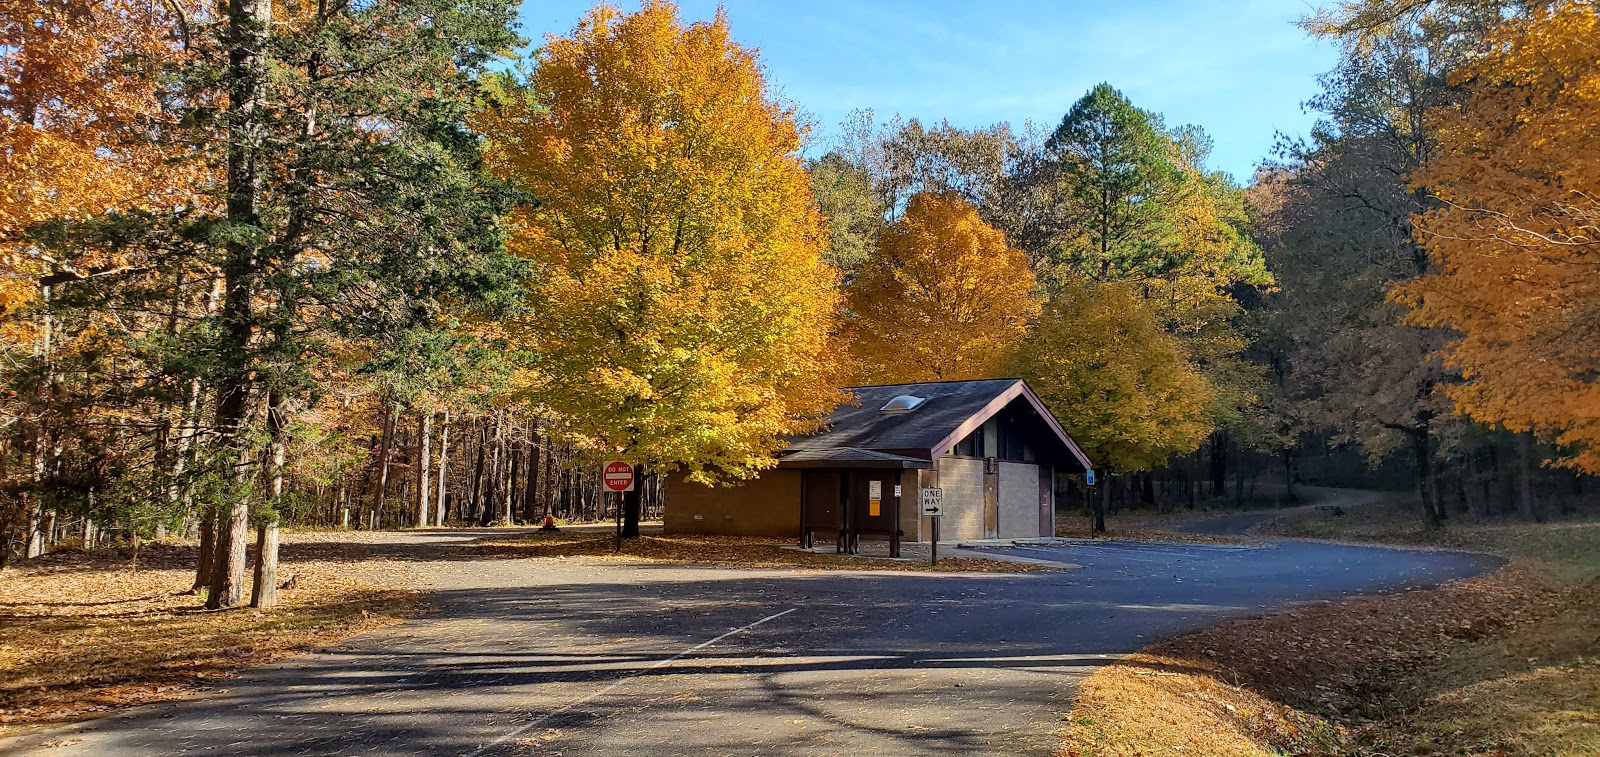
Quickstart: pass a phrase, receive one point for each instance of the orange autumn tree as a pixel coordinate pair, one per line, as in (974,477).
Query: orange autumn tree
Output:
(679,302)
(1516,243)
(81,114)
(943,297)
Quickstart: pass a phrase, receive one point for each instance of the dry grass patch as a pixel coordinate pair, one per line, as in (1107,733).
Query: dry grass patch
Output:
(1149,704)
(1532,690)
(1504,664)
(83,634)
(724,551)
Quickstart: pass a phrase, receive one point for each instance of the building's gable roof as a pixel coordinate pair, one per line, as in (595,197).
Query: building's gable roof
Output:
(952,410)
(849,457)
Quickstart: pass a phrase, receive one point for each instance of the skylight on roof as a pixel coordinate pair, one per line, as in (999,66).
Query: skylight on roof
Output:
(904,403)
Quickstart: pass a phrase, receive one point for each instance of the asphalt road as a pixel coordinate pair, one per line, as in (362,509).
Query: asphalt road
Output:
(579,658)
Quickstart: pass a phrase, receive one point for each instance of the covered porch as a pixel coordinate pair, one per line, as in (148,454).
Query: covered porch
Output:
(847,493)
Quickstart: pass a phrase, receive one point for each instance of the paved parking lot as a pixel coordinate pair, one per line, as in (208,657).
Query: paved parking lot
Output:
(591,658)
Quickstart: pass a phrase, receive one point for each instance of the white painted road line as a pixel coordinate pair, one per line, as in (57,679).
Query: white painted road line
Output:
(525,727)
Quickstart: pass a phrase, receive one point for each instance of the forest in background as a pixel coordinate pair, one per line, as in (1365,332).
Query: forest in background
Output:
(337,265)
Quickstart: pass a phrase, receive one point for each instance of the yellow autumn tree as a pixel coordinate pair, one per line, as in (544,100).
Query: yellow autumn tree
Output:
(678,299)
(1516,243)
(1123,386)
(942,298)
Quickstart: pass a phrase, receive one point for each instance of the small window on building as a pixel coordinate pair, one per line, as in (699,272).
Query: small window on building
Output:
(968,447)
(904,403)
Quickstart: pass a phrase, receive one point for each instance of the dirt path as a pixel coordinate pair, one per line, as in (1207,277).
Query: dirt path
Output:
(1240,523)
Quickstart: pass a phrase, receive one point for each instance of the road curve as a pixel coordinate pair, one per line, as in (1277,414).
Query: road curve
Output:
(589,658)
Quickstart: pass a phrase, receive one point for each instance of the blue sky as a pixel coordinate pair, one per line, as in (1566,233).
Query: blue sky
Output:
(1239,68)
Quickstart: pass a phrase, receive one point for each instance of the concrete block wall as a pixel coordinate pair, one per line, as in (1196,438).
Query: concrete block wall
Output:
(961,480)
(1019,500)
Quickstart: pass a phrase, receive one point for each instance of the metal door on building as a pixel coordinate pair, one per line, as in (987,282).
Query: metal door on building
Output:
(1047,501)
(991,502)
(821,507)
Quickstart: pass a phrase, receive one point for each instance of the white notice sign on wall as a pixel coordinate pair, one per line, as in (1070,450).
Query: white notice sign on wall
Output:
(874,490)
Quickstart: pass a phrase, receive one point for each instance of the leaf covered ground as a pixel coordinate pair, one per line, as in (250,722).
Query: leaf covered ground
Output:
(81,634)
(1504,664)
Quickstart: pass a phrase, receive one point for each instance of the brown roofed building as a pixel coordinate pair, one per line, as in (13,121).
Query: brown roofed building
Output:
(990,447)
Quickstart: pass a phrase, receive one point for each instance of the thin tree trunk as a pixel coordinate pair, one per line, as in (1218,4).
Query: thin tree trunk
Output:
(1102,504)
(1471,485)
(530,495)
(1288,477)
(477,478)
(1238,484)
(1422,454)
(383,464)
(444,457)
(492,483)
(1528,502)
(208,550)
(424,467)
(511,484)
(36,533)
(551,474)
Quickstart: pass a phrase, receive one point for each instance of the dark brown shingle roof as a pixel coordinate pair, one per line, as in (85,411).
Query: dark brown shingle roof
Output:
(952,410)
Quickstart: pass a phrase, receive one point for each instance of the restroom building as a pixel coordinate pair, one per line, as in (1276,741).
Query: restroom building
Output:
(990,447)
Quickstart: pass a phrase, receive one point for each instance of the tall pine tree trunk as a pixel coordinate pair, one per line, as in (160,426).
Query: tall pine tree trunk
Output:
(208,549)
(264,592)
(384,447)
(248,21)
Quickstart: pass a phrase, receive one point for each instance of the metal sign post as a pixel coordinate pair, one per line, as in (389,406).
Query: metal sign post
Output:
(617,477)
(932,505)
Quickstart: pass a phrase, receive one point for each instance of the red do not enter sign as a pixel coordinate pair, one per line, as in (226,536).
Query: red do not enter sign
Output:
(618,476)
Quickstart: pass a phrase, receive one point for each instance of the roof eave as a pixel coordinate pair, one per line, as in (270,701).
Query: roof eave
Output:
(855,464)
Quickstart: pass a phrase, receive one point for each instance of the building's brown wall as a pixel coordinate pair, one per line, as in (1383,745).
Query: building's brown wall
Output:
(766,506)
